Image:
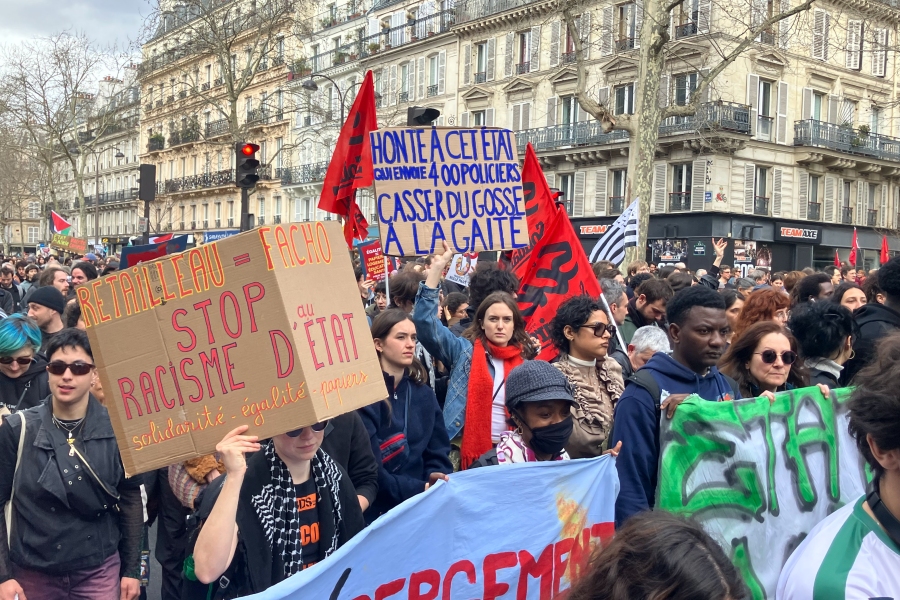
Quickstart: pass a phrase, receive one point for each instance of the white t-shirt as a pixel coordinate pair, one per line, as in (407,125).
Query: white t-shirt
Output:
(845,557)
(498,406)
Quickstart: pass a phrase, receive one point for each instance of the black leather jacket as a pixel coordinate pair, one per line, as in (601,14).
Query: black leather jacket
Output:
(49,535)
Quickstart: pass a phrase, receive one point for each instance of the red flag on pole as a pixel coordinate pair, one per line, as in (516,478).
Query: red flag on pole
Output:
(837,259)
(554,267)
(351,164)
(854,246)
(885,250)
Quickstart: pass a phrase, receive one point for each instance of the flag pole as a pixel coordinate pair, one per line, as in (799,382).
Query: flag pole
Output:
(387,278)
(611,320)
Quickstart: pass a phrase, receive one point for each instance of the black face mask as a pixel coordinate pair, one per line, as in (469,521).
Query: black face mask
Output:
(551,439)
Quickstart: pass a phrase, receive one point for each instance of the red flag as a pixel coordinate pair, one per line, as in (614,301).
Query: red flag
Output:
(885,250)
(837,259)
(554,268)
(854,246)
(351,164)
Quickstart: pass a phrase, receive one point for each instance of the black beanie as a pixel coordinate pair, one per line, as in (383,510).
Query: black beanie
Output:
(50,297)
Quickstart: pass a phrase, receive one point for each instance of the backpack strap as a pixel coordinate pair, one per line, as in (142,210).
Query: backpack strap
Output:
(643,378)
(12,492)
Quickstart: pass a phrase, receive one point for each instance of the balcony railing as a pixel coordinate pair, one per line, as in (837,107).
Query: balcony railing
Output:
(761,206)
(524,67)
(110,197)
(170,99)
(481,77)
(411,31)
(847,215)
(846,139)
(216,128)
(679,201)
(625,44)
(261,220)
(276,219)
(814,211)
(872,218)
(197,182)
(302,174)
(231,222)
(765,128)
(403,97)
(685,29)
(471,10)
(432,90)
(569,58)
(155,145)
(767,37)
(616,205)
(258,116)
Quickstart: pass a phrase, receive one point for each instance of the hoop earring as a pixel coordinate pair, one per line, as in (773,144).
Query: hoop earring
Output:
(852,354)
(518,430)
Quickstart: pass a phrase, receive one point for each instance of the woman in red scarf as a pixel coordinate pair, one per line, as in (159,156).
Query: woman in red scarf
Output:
(479,362)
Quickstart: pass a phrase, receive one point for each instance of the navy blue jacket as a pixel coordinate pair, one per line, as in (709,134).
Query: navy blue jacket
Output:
(429,445)
(636,425)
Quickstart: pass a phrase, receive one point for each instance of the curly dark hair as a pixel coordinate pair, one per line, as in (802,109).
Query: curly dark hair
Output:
(660,555)
(739,353)
(889,278)
(489,278)
(871,289)
(573,312)
(681,303)
(875,403)
(821,328)
(808,287)
(636,281)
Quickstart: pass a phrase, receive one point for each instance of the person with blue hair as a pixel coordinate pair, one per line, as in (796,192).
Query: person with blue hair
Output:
(23,372)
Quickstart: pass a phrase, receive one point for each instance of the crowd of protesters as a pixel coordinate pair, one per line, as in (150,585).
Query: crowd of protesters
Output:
(466,389)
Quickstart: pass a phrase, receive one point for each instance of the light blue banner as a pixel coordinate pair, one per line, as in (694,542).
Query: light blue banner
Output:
(515,531)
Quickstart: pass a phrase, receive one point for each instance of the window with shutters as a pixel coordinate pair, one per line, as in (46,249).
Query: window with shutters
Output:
(819,106)
(404,82)
(876,115)
(854,45)
(432,75)
(765,123)
(624,99)
(478,118)
(871,207)
(761,191)
(686,17)
(626,26)
(523,52)
(521,116)
(879,53)
(814,207)
(680,194)
(568,54)
(618,177)
(565,184)
(568,110)
(481,57)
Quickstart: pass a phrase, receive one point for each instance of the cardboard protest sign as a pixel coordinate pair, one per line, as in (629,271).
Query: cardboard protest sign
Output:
(264,328)
(372,260)
(453,548)
(69,243)
(460,268)
(759,477)
(132,255)
(459,185)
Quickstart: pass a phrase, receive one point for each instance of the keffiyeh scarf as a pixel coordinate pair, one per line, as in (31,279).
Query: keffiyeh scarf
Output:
(276,506)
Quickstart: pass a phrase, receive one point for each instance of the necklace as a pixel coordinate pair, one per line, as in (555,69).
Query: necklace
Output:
(70,429)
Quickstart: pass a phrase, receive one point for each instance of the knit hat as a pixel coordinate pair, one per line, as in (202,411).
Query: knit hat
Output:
(536,381)
(50,297)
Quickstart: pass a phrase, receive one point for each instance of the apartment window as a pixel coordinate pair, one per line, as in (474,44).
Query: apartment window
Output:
(33,234)
(689,14)
(760,190)
(433,70)
(34,210)
(279,47)
(680,196)
(684,86)
(569,114)
(263,147)
(566,185)
(627,26)
(819,106)
(404,82)
(765,122)
(279,145)
(523,51)
(624,99)
(478,118)
(277,207)
(307,209)
(617,192)
(814,212)
(194,213)
(876,116)
(262,207)
(231,209)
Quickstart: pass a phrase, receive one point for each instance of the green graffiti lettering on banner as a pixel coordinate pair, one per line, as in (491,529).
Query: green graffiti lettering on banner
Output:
(740,556)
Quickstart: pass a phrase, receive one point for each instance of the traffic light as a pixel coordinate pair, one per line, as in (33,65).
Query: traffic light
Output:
(147,183)
(419,116)
(246,165)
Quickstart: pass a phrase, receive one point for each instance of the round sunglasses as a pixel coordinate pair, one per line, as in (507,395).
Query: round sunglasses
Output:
(58,367)
(23,361)
(298,432)
(770,356)
(600,328)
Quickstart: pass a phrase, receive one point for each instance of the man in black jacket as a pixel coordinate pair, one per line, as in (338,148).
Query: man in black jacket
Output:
(874,320)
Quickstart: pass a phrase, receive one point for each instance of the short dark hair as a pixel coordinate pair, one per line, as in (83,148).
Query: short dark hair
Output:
(731,296)
(875,403)
(664,272)
(679,280)
(489,278)
(808,287)
(380,287)
(4,270)
(655,289)
(21,264)
(639,279)
(889,278)
(843,288)
(89,270)
(679,307)
(821,328)
(830,269)
(778,275)
(870,287)
(725,267)
(358,271)
(72,313)
(48,275)
(405,286)
(573,312)
(609,274)
(69,338)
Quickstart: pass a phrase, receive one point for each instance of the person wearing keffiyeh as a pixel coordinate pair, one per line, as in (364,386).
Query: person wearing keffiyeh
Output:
(277,512)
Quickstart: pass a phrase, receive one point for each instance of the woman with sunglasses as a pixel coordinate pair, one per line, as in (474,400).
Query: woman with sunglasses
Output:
(275,513)
(77,522)
(764,361)
(407,429)
(23,372)
(581,331)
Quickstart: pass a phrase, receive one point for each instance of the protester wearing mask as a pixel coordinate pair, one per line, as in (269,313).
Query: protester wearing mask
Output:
(582,333)
(539,401)
(407,429)
(647,308)
(479,362)
(77,522)
(824,333)
(23,372)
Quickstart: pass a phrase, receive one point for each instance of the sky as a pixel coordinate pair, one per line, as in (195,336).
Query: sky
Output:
(105,21)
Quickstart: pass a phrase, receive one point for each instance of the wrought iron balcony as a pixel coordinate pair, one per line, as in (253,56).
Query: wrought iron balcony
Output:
(481,77)
(685,30)
(303,174)
(231,222)
(569,58)
(155,145)
(261,220)
(761,206)
(277,219)
(767,37)
(679,201)
(472,10)
(847,215)
(411,31)
(625,44)
(197,182)
(765,128)
(813,211)
(403,97)
(432,90)
(616,205)
(820,134)
(218,81)
(524,67)
(216,128)
(204,86)
(258,116)
(872,218)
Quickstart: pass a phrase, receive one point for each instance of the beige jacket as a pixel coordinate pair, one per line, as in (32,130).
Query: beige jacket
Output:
(597,389)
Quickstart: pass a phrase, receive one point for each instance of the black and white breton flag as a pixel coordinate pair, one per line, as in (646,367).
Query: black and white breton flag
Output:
(620,235)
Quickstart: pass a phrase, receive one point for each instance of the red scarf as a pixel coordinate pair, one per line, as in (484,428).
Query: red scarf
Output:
(477,430)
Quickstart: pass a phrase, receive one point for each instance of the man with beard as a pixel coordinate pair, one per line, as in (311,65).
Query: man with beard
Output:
(648,307)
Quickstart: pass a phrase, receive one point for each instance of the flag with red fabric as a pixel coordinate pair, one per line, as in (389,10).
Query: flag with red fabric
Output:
(837,259)
(854,246)
(554,267)
(885,250)
(351,164)
(59,225)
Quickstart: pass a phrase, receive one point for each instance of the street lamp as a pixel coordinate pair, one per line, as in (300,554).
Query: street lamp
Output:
(311,86)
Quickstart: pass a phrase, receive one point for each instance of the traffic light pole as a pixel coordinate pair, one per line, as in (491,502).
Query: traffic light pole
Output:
(145,238)
(245,210)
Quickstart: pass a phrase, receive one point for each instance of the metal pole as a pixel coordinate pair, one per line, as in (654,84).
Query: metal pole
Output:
(387,279)
(145,238)
(619,337)
(245,210)
(96,198)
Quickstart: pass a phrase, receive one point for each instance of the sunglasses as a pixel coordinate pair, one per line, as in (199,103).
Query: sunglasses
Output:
(23,361)
(317,427)
(600,328)
(58,367)
(770,356)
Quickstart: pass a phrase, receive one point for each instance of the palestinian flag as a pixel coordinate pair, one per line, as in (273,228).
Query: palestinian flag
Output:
(60,225)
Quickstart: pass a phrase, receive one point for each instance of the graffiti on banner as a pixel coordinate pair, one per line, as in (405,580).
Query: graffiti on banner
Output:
(760,476)
(568,505)
(69,243)
(459,185)
(260,329)
(372,260)
(461,267)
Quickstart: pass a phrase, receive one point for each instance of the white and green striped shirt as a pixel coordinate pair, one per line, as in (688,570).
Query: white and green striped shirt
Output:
(845,557)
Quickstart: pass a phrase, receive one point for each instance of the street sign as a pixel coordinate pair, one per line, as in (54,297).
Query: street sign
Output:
(142,224)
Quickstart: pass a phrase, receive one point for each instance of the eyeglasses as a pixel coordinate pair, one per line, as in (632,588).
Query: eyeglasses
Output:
(23,361)
(298,432)
(770,356)
(600,328)
(58,367)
